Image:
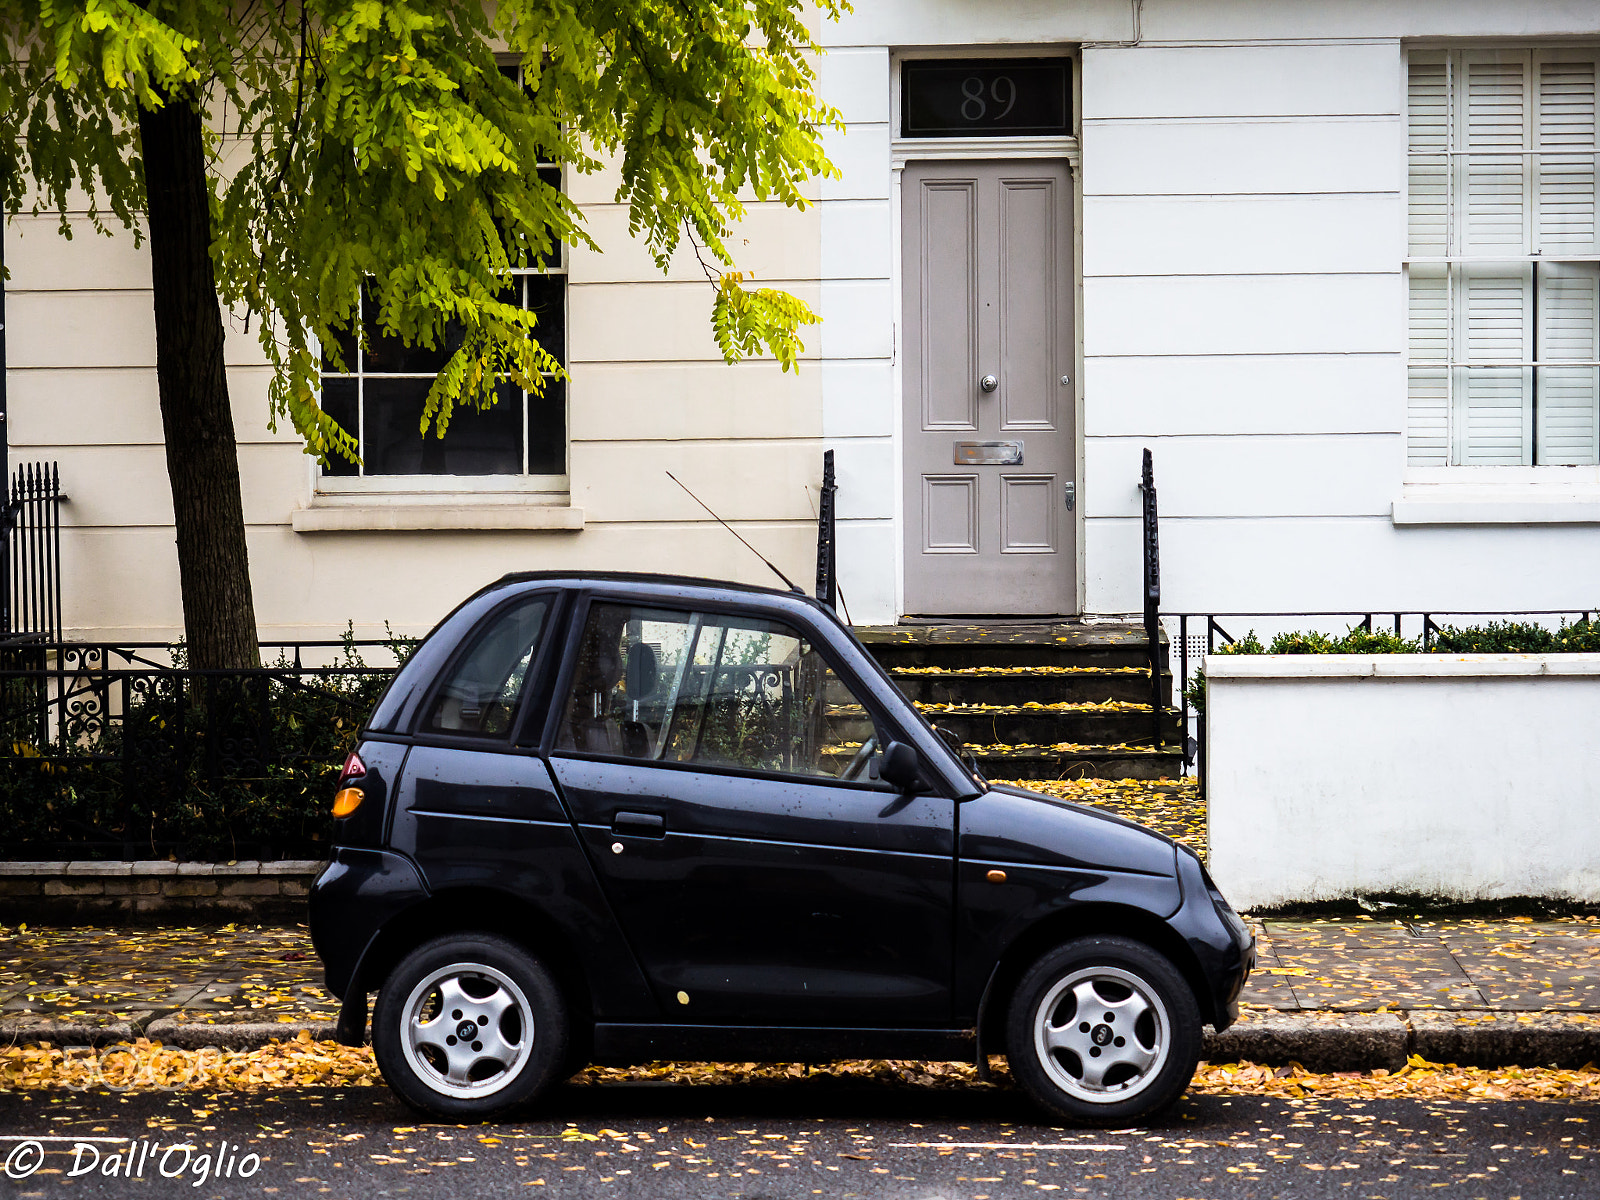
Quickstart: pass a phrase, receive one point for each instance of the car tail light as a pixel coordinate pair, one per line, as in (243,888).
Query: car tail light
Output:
(354,769)
(348,798)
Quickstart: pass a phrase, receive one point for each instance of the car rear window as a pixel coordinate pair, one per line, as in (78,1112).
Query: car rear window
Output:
(478,695)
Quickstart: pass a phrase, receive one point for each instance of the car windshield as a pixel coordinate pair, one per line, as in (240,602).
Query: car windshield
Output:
(714,689)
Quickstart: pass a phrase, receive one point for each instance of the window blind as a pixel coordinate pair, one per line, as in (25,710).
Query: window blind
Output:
(1503,279)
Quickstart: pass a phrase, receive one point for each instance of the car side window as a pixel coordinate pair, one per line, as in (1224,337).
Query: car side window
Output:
(713,690)
(478,697)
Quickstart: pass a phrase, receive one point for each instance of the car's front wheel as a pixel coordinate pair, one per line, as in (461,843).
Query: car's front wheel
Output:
(469,1025)
(1103,1030)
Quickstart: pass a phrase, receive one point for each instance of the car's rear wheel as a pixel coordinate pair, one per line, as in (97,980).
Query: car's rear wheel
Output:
(1103,1030)
(469,1025)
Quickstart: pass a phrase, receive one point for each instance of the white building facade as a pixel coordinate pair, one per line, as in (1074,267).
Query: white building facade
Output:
(1334,264)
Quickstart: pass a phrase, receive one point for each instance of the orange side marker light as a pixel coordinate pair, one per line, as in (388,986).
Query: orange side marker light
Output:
(347,801)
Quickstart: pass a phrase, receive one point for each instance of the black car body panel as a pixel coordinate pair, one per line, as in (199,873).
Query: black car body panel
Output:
(357,895)
(1012,825)
(479,823)
(383,764)
(1220,941)
(1055,857)
(702,910)
(774,902)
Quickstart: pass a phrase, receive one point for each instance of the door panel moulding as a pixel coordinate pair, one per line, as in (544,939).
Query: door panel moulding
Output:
(1022,230)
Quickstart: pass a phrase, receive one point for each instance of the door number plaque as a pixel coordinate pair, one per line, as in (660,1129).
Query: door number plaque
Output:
(988,454)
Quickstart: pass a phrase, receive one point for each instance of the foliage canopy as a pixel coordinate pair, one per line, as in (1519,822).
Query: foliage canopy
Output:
(353,140)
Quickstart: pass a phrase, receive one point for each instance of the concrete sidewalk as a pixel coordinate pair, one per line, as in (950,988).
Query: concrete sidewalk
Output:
(1342,994)
(1333,995)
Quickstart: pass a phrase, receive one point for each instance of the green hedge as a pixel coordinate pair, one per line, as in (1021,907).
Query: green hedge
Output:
(1496,637)
(195,767)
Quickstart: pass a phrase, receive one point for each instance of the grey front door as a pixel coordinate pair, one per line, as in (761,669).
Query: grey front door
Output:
(988,325)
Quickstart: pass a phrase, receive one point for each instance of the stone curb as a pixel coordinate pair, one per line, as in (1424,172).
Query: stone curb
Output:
(1329,1041)
(66,1033)
(195,1035)
(1346,1042)
(1495,1039)
(1317,1041)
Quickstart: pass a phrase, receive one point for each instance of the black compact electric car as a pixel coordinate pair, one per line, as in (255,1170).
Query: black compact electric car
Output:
(624,818)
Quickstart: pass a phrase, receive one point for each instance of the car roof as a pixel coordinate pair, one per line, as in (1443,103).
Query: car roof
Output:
(648,579)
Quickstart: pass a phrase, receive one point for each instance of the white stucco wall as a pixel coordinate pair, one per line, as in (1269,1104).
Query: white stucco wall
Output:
(1466,776)
(649,393)
(1243,307)
(1242,231)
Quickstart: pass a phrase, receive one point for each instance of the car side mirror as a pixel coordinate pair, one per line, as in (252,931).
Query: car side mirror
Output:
(640,671)
(900,767)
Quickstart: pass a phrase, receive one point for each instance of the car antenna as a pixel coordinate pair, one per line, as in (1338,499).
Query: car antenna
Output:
(735,533)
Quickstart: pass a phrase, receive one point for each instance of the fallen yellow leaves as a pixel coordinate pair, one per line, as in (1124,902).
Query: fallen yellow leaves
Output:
(1169,806)
(1020,671)
(923,1074)
(1419,1079)
(145,1065)
(1030,706)
(1001,749)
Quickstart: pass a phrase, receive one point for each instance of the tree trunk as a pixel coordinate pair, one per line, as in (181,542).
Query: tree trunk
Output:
(196,417)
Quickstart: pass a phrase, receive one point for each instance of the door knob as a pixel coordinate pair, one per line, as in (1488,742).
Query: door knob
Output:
(988,383)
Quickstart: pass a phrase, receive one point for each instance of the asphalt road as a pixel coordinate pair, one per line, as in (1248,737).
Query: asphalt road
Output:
(809,1139)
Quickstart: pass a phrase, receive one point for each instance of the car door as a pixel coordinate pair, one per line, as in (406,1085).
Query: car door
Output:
(717,767)
(478,812)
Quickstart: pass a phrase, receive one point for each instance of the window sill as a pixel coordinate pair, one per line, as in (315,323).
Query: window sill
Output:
(522,518)
(1504,505)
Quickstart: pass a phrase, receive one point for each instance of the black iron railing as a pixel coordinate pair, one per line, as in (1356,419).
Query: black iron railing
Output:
(1152,600)
(827,567)
(30,590)
(115,751)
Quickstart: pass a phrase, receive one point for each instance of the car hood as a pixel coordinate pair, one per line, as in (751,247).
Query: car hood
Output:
(1013,825)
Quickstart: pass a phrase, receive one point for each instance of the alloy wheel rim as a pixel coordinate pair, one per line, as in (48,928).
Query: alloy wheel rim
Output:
(467,1030)
(1102,1034)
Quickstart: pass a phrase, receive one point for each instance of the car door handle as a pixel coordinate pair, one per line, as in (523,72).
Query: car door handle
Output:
(637,824)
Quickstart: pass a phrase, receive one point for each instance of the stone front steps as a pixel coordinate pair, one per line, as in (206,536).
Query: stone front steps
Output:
(1078,762)
(1021,685)
(1008,726)
(1037,701)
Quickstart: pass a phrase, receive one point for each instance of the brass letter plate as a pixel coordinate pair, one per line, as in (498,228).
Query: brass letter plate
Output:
(988,454)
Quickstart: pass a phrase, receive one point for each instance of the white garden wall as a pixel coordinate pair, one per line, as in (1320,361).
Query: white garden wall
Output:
(1465,776)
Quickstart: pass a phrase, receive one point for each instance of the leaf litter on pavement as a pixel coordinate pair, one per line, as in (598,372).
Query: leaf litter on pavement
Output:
(1169,806)
(303,1062)
(271,972)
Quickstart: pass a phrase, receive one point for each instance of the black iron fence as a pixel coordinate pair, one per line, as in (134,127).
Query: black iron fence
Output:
(30,564)
(118,751)
(1199,634)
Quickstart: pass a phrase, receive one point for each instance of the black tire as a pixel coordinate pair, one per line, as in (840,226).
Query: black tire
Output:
(1059,1051)
(519,1045)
